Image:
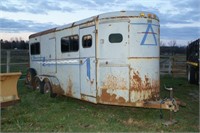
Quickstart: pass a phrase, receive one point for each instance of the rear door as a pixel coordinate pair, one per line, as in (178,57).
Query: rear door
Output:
(113,70)
(88,64)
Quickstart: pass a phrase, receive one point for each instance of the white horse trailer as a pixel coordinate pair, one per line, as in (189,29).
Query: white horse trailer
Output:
(112,58)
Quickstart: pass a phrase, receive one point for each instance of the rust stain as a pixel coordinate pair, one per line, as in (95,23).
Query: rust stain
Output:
(144,88)
(87,24)
(126,17)
(113,82)
(69,87)
(112,98)
(57,89)
(137,81)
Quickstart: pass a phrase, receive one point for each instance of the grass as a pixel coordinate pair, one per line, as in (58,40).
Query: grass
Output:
(38,113)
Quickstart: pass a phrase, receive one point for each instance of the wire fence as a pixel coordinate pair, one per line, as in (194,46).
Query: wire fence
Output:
(14,61)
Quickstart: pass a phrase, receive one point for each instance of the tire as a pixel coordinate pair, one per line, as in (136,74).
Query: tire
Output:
(47,89)
(30,77)
(36,85)
(42,87)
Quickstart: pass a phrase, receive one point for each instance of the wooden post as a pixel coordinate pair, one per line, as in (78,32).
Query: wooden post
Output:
(8,61)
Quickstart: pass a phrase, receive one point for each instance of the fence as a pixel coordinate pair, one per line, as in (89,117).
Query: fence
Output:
(14,61)
(173,65)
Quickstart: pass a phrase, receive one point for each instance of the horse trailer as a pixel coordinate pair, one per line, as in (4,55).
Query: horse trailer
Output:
(111,58)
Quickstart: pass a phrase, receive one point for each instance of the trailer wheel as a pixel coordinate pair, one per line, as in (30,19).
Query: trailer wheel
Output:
(47,89)
(37,84)
(42,87)
(30,77)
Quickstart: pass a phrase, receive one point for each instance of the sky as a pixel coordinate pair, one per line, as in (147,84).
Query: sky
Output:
(179,19)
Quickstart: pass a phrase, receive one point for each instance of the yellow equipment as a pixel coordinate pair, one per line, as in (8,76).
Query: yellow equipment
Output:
(8,88)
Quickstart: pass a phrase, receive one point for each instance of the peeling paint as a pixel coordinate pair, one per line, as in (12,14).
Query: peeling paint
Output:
(143,88)
(69,87)
(111,98)
(113,82)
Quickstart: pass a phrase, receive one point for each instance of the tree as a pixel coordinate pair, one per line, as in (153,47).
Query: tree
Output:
(14,43)
(162,43)
(172,44)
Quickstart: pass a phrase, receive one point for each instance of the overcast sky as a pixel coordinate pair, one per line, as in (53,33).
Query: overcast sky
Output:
(179,19)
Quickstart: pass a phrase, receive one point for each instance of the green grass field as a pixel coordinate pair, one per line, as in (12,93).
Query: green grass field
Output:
(38,113)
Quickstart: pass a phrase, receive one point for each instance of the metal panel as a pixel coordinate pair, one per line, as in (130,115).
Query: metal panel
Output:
(113,82)
(113,71)
(89,51)
(144,59)
(144,38)
(144,79)
(48,53)
(88,66)
(68,75)
(105,48)
(68,64)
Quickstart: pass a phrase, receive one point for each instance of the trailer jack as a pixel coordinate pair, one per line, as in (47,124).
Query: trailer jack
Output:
(175,103)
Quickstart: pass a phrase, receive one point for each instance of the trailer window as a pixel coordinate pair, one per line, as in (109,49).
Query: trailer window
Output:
(115,38)
(70,43)
(35,48)
(87,41)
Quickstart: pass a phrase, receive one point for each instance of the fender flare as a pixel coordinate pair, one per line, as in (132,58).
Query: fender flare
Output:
(54,82)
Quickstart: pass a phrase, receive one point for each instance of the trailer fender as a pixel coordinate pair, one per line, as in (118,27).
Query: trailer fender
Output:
(54,84)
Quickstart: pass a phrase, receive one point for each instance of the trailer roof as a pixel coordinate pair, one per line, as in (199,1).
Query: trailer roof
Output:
(117,14)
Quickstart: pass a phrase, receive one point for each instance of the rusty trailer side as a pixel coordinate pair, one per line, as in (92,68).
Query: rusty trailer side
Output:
(114,60)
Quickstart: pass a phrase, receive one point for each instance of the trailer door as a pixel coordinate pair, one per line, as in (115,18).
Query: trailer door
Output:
(49,55)
(113,69)
(88,65)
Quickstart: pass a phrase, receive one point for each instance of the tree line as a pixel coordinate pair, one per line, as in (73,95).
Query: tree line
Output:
(14,44)
(172,48)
